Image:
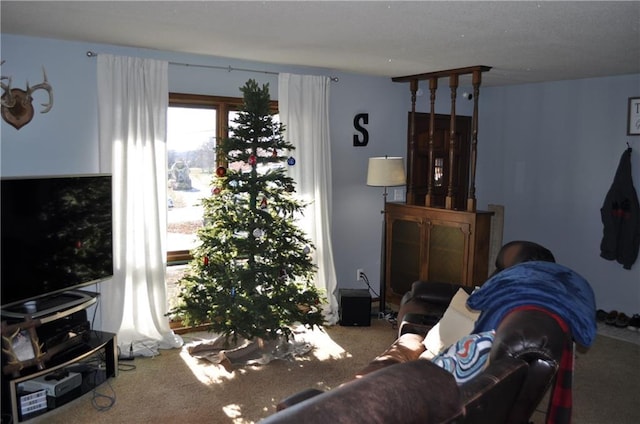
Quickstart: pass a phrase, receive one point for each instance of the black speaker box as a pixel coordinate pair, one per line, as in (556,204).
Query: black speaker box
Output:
(355,307)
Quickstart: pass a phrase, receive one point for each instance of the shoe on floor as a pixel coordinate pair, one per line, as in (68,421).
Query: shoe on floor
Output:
(611,318)
(622,321)
(601,314)
(634,322)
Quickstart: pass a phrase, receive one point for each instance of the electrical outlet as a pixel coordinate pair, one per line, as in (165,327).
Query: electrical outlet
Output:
(360,274)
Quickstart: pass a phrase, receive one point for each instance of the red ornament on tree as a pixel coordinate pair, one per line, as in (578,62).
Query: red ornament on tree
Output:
(253,160)
(215,190)
(206,260)
(221,171)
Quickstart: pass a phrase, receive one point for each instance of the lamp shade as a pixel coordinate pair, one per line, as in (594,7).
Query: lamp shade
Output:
(386,172)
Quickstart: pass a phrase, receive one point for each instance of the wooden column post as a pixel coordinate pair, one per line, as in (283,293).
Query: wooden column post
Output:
(433,86)
(471,198)
(453,84)
(415,176)
(412,148)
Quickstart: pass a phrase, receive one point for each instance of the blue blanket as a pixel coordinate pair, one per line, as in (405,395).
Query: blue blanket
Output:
(545,284)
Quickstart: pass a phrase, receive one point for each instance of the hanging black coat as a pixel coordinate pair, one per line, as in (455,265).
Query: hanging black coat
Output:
(621,217)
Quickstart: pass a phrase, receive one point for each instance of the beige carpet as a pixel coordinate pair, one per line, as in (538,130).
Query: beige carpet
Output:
(606,384)
(175,388)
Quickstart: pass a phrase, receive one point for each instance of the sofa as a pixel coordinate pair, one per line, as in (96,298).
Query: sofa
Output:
(398,387)
(531,354)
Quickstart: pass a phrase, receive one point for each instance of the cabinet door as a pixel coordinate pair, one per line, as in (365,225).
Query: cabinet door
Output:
(404,254)
(448,251)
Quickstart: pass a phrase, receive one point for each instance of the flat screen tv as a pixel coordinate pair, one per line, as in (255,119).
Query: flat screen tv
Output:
(56,237)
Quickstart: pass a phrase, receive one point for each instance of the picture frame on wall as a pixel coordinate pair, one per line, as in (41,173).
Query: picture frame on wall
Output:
(633,116)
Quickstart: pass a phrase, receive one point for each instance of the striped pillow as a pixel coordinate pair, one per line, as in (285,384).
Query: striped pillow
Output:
(467,357)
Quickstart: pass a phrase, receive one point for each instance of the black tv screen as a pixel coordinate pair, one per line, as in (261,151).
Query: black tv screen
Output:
(56,235)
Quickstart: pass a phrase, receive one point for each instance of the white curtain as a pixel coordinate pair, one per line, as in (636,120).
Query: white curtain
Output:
(132,107)
(303,103)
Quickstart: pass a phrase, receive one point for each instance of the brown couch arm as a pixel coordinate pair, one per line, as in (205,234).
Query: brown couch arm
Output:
(417,392)
(428,298)
(297,398)
(434,292)
(417,323)
(489,396)
(407,347)
(536,338)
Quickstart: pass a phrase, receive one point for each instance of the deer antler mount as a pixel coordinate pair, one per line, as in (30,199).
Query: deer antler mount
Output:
(17,109)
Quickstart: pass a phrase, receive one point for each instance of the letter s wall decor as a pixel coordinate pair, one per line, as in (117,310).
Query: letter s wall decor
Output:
(364,117)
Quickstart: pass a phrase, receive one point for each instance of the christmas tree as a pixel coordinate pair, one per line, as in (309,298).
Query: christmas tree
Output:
(251,275)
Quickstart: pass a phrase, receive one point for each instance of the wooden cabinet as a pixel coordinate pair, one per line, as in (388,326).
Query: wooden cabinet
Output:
(434,244)
(439,235)
(445,173)
(436,167)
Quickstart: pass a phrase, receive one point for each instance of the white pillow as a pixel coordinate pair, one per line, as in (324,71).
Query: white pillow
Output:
(458,321)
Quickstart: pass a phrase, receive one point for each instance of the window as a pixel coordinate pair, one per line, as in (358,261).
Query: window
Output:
(194,125)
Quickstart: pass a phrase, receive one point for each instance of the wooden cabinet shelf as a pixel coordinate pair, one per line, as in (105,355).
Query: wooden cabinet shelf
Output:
(439,235)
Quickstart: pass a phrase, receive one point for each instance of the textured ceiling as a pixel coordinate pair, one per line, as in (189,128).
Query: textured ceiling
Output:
(523,41)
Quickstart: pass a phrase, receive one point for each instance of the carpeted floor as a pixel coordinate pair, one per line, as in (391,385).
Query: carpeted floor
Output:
(174,387)
(606,384)
(177,388)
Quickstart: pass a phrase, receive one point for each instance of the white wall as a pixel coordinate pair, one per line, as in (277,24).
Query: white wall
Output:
(548,152)
(65,140)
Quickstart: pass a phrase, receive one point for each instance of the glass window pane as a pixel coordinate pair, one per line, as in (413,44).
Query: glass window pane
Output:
(191,146)
(173,275)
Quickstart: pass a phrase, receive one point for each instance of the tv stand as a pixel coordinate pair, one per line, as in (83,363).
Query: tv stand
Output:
(34,393)
(52,307)
(63,358)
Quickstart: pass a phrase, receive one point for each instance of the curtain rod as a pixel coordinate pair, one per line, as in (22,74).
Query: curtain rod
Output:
(226,68)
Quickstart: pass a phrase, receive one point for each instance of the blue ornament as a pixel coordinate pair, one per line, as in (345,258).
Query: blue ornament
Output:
(291,161)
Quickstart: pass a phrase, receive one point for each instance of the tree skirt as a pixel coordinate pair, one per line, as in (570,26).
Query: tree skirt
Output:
(250,352)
